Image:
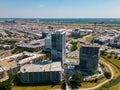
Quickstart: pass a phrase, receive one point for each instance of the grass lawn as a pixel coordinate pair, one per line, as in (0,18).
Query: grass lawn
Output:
(116,71)
(116,87)
(48,87)
(116,62)
(72,58)
(113,60)
(31,88)
(116,75)
(91,84)
(89,38)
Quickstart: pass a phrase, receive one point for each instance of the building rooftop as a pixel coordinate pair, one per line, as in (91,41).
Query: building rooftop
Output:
(54,66)
(89,45)
(61,31)
(1,69)
(33,44)
(18,59)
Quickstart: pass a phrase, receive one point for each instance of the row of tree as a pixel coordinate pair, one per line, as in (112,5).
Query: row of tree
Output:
(109,55)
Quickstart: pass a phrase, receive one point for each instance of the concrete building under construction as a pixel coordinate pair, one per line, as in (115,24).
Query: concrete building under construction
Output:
(41,73)
(89,57)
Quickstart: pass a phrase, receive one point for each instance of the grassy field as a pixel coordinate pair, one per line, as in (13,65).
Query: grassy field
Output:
(89,38)
(48,87)
(32,88)
(116,75)
(116,62)
(91,84)
(116,71)
(116,87)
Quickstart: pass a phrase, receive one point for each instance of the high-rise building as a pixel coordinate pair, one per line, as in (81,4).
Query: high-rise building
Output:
(58,46)
(48,44)
(89,57)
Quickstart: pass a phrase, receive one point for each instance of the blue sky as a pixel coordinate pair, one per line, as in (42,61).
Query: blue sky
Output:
(60,8)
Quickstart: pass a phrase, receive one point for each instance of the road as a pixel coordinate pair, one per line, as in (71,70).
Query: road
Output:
(67,88)
(95,87)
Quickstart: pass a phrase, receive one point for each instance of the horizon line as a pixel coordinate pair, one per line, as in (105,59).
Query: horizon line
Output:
(58,18)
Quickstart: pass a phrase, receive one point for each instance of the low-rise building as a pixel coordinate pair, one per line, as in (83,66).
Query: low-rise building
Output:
(41,73)
(80,32)
(107,39)
(13,63)
(75,33)
(33,46)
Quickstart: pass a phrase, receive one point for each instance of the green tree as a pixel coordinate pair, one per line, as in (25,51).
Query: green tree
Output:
(74,46)
(6,85)
(49,55)
(77,79)
(112,53)
(103,52)
(115,57)
(1,47)
(95,80)
(109,56)
(107,75)
(68,81)
(119,58)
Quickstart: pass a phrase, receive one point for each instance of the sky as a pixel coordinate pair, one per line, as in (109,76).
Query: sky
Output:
(59,8)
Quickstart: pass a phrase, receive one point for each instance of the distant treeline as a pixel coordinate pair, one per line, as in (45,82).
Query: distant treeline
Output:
(67,20)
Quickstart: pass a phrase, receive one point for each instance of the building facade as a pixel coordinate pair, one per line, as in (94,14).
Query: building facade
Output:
(89,57)
(42,74)
(33,46)
(58,46)
(48,45)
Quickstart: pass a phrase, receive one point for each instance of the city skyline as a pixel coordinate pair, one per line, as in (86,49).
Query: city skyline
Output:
(59,9)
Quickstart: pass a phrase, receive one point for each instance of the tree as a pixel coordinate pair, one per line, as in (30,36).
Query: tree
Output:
(112,53)
(1,47)
(67,78)
(103,52)
(17,50)
(6,85)
(107,75)
(74,46)
(109,56)
(119,58)
(115,57)
(49,55)
(101,22)
(77,79)
(95,80)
